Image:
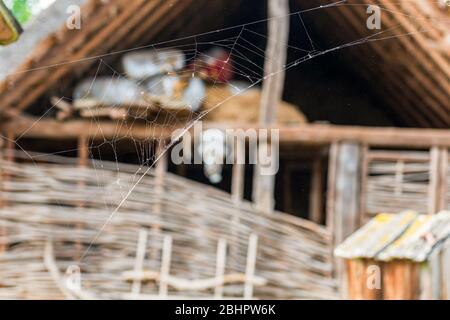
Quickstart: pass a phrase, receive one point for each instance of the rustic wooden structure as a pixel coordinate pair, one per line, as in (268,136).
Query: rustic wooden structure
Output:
(369,170)
(403,256)
(195,216)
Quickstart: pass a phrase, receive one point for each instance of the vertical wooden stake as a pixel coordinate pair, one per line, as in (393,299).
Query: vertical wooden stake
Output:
(251,266)
(331,191)
(83,158)
(139,262)
(263,185)
(315,198)
(160,174)
(433,194)
(275,60)
(272,92)
(220,267)
(365,162)
(237,180)
(346,200)
(444,183)
(165,266)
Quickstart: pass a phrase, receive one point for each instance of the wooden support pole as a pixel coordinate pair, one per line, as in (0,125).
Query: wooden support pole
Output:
(83,158)
(160,174)
(275,60)
(345,189)
(433,187)
(316,193)
(365,162)
(272,92)
(238,173)
(444,201)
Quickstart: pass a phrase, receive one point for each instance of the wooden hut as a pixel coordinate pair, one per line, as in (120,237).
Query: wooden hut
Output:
(403,256)
(377,102)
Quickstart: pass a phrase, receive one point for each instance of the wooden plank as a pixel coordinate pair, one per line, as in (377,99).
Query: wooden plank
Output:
(400,280)
(310,134)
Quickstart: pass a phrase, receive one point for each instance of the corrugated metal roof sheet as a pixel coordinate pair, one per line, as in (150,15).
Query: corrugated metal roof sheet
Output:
(406,235)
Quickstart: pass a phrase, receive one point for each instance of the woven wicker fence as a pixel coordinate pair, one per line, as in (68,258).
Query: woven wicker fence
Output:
(68,206)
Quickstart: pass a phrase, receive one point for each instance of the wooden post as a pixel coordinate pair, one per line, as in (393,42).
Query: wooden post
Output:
(272,91)
(444,182)
(347,191)
(276,51)
(160,173)
(263,184)
(433,191)
(365,161)
(83,157)
(237,194)
(315,198)
(345,188)
(238,173)
(332,168)
(401,280)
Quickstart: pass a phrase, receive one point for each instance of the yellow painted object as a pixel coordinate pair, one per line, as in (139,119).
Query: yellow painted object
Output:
(10,29)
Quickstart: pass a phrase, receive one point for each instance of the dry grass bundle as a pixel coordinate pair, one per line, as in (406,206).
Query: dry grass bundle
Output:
(245,107)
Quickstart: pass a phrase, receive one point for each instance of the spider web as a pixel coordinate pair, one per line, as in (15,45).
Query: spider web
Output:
(239,42)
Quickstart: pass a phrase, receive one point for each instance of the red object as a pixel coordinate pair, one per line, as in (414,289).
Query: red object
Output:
(215,65)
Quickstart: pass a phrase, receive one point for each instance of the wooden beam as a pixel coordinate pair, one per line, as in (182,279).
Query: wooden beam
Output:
(310,134)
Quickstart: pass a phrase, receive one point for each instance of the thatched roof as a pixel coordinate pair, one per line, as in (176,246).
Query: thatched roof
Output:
(409,65)
(407,61)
